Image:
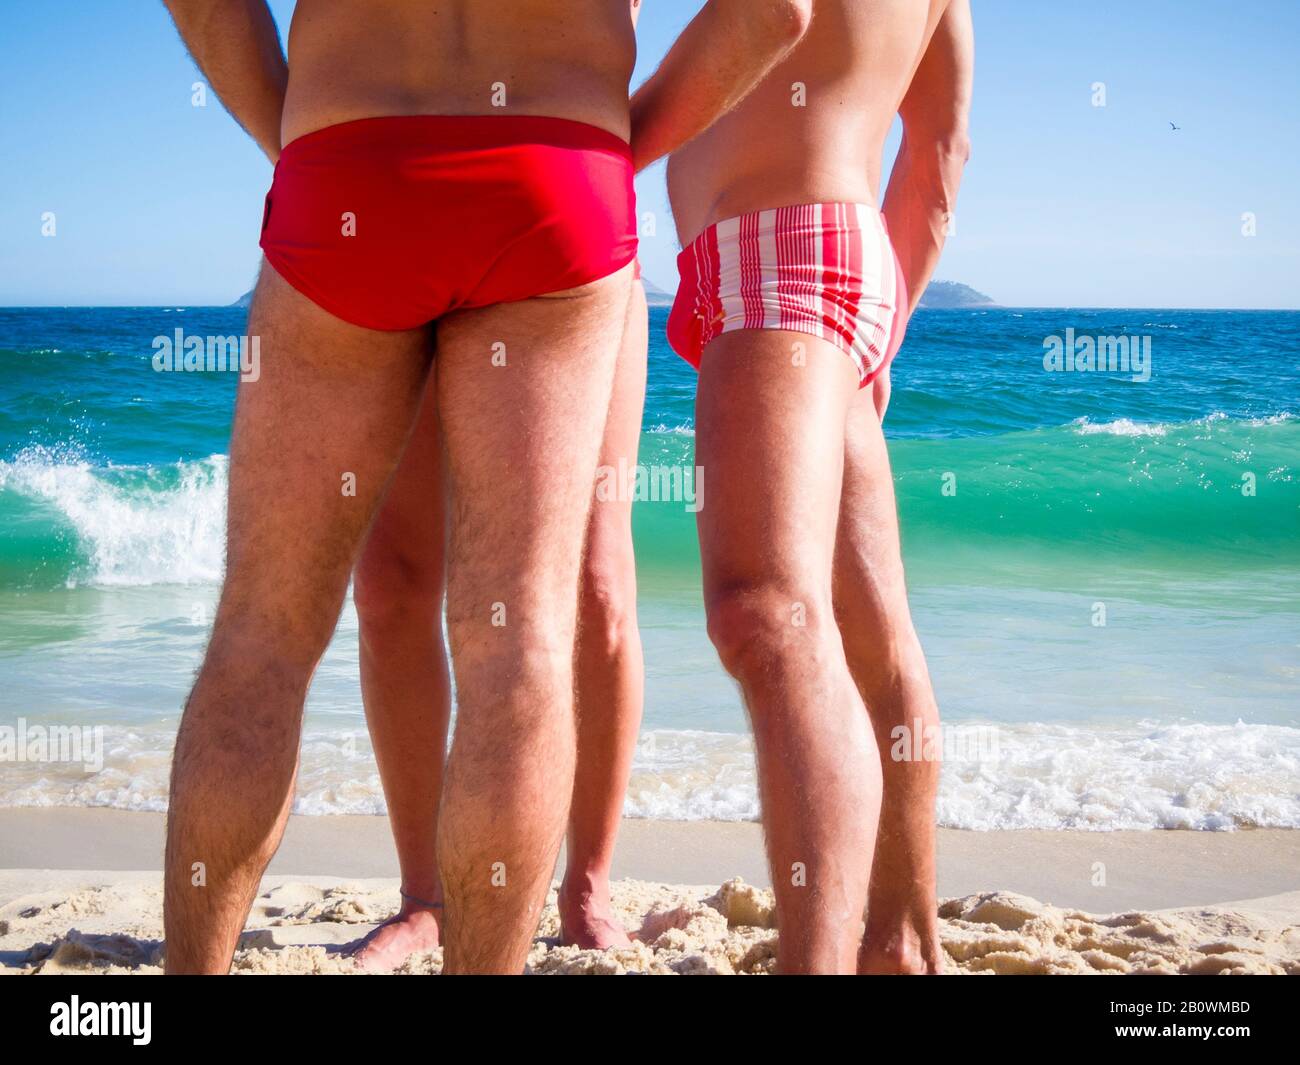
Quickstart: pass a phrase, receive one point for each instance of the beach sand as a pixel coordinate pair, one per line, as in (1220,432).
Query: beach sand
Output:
(80,892)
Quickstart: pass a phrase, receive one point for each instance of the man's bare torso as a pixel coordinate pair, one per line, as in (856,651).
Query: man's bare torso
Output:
(352,59)
(815,129)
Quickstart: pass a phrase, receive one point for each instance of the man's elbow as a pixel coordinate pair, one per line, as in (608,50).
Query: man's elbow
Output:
(948,142)
(796,17)
(935,160)
(786,20)
(955,146)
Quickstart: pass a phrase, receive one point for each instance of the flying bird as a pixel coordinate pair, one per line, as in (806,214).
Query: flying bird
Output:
(1174,128)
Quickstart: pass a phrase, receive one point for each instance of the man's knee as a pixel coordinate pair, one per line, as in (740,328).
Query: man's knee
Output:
(869,590)
(883,650)
(507,653)
(273,632)
(606,608)
(395,589)
(757,627)
(242,723)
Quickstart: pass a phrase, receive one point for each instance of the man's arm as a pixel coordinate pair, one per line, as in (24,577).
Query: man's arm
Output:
(923,186)
(725,51)
(236,45)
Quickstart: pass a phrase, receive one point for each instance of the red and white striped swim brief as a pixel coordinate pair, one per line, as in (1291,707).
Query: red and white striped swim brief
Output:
(824,269)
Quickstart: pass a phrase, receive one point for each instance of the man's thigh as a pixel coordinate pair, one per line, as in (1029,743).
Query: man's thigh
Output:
(407,542)
(315,439)
(609,536)
(868,564)
(523,396)
(770,439)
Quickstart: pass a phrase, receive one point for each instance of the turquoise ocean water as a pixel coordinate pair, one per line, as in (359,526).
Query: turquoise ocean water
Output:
(1031,501)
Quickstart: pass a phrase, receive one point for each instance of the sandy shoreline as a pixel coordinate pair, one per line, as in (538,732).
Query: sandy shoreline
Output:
(1150,870)
(80,892)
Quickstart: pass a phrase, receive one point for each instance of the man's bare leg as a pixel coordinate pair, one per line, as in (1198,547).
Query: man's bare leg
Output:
(314,442)
(398,589)
(610,671)
(770,437)
(888,665)
(522,440)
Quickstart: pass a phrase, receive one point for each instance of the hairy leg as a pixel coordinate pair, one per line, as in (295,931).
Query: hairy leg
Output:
(398,589)
(315,440)
(610,672)
(889,668)
(523,440)
(770,437)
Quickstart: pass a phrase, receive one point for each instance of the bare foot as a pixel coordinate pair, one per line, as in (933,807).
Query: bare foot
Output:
(407,932)
(587,917)
(906,947)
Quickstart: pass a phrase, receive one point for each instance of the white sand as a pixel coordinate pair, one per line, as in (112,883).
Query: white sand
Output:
(79,922)
(1163,899)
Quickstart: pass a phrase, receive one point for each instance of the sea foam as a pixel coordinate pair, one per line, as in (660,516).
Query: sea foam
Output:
(1101,777)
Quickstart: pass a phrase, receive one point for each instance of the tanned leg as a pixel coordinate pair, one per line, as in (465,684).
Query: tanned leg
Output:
(610,671)
(888,665)
(398,589)
(770,437)
(523,440)
(315,440)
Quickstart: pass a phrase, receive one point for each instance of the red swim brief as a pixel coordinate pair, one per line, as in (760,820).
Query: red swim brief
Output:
(825,269)
(389,223)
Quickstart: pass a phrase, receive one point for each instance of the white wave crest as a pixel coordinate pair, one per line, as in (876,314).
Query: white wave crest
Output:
(133,526)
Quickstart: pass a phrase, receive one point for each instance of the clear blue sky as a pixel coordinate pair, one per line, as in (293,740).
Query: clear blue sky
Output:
(1064,204)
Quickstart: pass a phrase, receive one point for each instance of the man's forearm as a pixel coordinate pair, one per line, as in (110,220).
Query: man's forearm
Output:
(920,202)
(236,45)
(922,193)
(726,50)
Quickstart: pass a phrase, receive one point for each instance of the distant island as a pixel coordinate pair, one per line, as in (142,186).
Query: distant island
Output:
(944,295)
(940,295)
(655,296)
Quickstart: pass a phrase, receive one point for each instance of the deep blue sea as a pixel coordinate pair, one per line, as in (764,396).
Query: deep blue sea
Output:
(1161,498)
